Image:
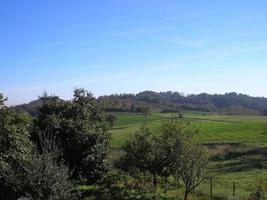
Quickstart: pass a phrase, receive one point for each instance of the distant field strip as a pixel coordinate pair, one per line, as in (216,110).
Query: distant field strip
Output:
(214,128)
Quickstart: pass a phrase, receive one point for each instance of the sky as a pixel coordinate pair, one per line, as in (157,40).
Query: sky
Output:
(128,46)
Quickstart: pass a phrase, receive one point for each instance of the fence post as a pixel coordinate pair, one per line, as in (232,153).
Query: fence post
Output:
(233,188)
(211,187)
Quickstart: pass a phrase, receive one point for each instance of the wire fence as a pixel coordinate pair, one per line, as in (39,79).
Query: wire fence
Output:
(228,189)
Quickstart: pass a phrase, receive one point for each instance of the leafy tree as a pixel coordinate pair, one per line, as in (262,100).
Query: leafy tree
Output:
(111,119)
(169,146)
(173,153)
(180,156)
(79,127)
(146,111)
(139,151)
(14,145)
(24,172)
(39,175)
(14,133)
(265,112)
(2,100)
(193,170)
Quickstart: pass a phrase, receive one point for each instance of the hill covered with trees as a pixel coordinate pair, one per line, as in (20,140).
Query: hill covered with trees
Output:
(229,103)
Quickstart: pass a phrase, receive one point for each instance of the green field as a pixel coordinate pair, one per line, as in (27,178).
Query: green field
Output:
(246,135)
(213,128)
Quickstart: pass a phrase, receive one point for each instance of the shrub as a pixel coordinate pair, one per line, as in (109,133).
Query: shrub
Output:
(257,194)
(40,177)
(137,186)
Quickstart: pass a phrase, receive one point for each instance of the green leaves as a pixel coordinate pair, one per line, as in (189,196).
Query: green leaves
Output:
(173,153)
(80,129)
(14,145)
(139,151)
(2,100)
(14,133)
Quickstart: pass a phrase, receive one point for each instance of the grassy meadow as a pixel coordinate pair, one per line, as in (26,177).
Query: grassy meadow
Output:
(213,128)
(237,146)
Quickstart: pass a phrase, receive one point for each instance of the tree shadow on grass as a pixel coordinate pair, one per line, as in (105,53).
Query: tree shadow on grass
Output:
(242,161)
(242,165)
(119,128)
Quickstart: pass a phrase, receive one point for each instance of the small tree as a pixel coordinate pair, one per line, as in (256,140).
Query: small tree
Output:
(146,111)
(193,169)
(172,153)
(111,119)
(138,151)
(168,147)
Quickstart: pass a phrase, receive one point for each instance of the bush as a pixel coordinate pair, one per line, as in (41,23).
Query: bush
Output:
(40,177)
(139,151)
(119,185)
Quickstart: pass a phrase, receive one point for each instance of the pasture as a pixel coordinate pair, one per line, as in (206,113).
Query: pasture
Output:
(214,128)
(237,146)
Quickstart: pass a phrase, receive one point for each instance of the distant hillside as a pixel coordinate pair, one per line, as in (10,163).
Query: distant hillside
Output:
(32,108)
(229,103)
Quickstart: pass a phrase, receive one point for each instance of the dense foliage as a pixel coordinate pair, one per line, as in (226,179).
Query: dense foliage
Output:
(119,185)
(24,172)
(79,128)
(173,153)
(14,144)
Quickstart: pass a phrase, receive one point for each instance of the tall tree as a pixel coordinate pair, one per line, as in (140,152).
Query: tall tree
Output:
(14,145)
(79,127)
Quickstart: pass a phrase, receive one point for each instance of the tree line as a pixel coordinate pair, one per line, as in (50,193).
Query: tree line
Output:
(229,103)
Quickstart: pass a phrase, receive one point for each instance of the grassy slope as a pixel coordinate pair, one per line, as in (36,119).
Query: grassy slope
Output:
(213,128)
(246,171)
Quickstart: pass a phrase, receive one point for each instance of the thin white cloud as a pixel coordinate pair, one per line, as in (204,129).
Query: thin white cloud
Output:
(136,31)
(47,44)
(190,43)
(250,46)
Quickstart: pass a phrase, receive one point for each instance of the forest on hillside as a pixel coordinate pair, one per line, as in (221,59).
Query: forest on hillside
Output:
(229,103)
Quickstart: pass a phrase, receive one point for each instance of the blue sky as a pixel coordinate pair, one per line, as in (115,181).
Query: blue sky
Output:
(127,46)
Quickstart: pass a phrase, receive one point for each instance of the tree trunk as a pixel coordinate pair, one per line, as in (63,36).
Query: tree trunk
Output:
(186,194)
(155,181)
